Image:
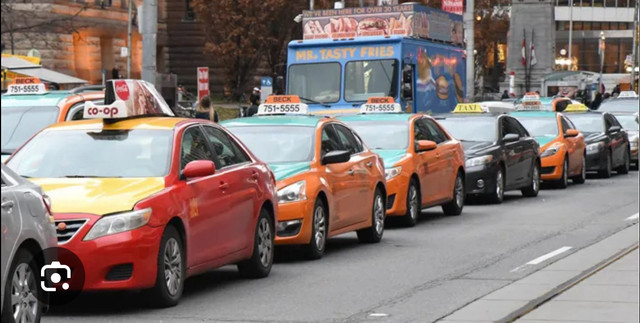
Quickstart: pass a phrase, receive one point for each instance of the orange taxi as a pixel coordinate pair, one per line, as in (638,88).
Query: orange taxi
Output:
(562,146)
(425,166)
(328,181)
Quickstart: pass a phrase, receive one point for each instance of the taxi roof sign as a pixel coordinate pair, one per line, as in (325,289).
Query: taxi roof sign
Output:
(128,98)
(628,94)
(469,108)
(282,104)
(384,104)
(576,107)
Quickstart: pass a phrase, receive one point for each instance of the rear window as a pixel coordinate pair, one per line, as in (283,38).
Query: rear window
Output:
(20,123)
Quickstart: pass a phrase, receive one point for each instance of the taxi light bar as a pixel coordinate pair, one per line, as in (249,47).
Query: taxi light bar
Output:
(283,104)
(469,108)
(381,105)
(115,110)
(576,107)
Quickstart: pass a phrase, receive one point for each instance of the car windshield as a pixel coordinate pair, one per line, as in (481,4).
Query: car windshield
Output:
(588,122)
(84,153)
(315,82)
(375,78)
(628,121)
(471,128)
(277,143)
(383,135)
(619,105)
(539,127)
(19,123)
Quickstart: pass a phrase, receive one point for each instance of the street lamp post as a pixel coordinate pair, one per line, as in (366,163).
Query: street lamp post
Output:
(602,47)
(570,32)
(469,27)
(129,42)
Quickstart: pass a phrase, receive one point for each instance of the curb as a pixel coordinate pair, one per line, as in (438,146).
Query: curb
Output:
(532,305)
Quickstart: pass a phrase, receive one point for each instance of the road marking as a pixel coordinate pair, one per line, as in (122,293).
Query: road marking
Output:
(378,315)
(543,258)
(633,217)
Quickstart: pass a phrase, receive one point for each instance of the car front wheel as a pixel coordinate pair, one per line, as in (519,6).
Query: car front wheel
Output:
(171,270)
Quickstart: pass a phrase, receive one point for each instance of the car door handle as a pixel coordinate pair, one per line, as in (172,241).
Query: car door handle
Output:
(369,164)
(350,172)
(255,175)
(223,186)
(7,204)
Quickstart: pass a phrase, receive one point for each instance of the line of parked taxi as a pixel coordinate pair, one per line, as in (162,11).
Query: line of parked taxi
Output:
(146,199)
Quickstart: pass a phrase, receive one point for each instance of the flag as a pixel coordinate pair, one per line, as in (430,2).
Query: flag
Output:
(533,60)
(524,49)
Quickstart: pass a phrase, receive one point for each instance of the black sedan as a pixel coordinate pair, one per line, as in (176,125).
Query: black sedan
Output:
(500,154)
(607,143)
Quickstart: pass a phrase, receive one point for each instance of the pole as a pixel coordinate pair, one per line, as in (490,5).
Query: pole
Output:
(570,34)
(129,43)
(310,4)
(602,48)
(149,31)
(634,51)
(468,20)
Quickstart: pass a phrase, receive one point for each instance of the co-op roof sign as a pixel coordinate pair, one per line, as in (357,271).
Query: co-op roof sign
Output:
(409,20)
(128,98)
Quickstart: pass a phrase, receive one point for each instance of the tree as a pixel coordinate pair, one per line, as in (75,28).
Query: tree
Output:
(19,17)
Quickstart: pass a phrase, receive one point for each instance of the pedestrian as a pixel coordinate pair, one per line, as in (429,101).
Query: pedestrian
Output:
(606,96)
(505,94)
(205,110)
(255,102)
(115,74)
(596,102)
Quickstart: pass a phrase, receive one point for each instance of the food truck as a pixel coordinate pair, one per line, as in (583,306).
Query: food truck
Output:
(409,52)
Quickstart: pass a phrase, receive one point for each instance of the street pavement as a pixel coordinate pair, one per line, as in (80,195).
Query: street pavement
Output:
(420,274)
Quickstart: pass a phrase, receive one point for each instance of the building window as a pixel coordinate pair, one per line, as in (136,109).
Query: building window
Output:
(189,15)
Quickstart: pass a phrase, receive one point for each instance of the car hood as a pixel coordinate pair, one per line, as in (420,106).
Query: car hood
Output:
(390,156)
(286,170)
(544,140)
(97,195)
(474,147)
(590,137)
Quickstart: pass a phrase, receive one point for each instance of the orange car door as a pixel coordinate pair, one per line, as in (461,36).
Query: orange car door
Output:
(575,157)
(207,205)
(445,160)
(427,165)
(341,181)
(362,164)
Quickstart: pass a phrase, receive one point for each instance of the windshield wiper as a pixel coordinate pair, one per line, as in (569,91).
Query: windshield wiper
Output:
(316,102)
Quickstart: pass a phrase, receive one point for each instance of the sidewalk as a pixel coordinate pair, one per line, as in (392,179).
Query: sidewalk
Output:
(601,278)
(610,295)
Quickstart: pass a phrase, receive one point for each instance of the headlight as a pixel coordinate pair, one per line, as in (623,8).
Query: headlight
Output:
(390,173)
(551,150)
(595,147)
(478,161)
(293,192)
(116,223)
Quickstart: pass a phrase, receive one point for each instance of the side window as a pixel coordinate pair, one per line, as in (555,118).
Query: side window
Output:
(227,152)
(519,127)
(507,127)
(436,133)
(565,124)
(561,105)
(348,140)
(421,131)
(330,140)
(194,146)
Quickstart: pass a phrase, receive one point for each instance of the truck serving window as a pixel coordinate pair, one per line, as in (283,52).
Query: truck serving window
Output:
(365,79)
(319,82)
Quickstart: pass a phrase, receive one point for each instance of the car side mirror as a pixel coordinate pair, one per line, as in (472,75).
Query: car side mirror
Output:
(336,157)
(407,82)
(614,129)
(198,168)
(510,137)
(572,133)
(425,145)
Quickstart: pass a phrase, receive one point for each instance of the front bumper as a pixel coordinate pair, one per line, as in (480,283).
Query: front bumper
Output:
(597,160)
(397,189)
(551,167)
(480,179)
(126,260)
(301,210)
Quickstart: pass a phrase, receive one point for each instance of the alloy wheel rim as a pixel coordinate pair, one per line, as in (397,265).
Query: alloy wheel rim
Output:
(584,168)
(536,179)
(173,266)
(413,202)
(318,222)
(565,175)
(265,243)
(499,185)
(378,214)
(23,301)
(459,192)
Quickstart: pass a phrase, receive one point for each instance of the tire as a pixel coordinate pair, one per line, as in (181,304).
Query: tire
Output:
(373,234)
(171,270)
(319,231)
(533,188)
(498,194)
(414,205)
(563,182)
(29,304)
(454,207)
(606,172)
(259,265)
(624,168)
(580,179)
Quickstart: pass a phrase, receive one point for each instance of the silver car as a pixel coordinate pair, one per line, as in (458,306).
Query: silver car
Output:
(27,229)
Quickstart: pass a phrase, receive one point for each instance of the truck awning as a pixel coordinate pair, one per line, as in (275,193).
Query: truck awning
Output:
(20,66)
